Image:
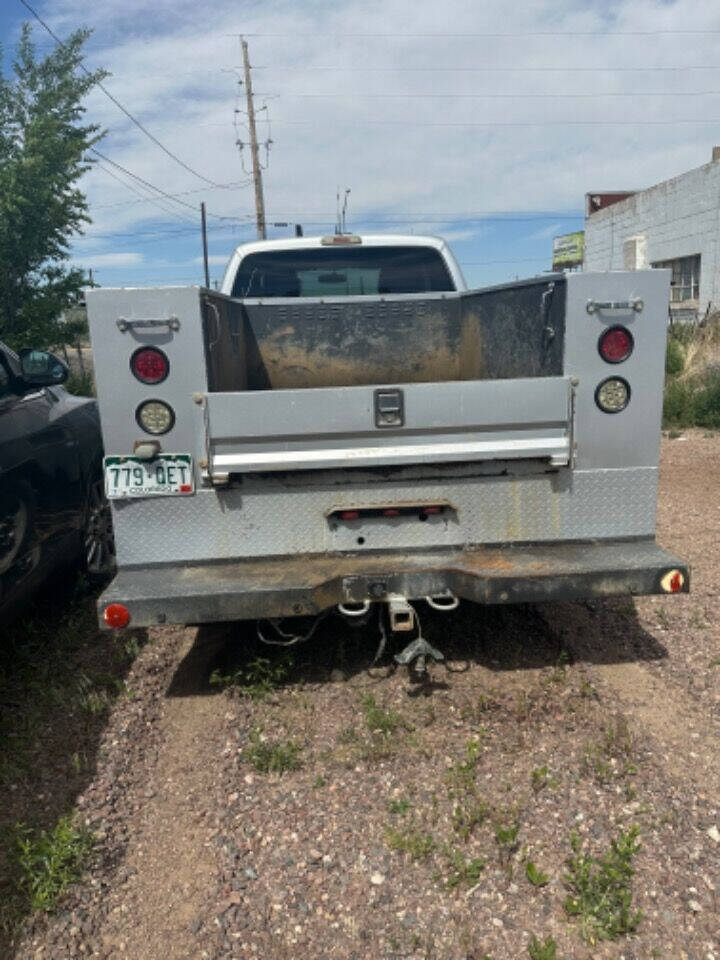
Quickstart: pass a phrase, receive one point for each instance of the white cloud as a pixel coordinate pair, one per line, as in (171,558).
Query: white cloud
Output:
(174,69)
(109,260)
(215,260)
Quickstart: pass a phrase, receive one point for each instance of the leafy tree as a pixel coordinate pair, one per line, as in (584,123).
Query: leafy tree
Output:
(43,154)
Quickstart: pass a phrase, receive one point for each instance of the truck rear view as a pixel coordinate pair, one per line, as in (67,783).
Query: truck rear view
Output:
(346,425)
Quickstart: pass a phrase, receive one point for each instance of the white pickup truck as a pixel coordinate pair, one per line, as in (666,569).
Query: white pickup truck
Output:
(346,425)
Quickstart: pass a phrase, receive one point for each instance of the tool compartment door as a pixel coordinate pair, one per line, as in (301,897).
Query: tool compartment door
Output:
(365,426)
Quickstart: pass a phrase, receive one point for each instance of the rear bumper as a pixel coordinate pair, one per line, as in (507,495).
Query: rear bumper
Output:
(295,586)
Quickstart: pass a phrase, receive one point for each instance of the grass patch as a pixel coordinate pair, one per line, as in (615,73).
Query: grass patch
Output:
(278,756)
(612,757)
(417,844)
(463,871)
(600,889)
(49,861)
(542,949)
(536,876)
(398,807)
(506,837)
(540,779)
(692,384)
(379,719)
(256,681)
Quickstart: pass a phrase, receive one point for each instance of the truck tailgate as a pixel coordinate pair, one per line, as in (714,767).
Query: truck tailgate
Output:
(261,431)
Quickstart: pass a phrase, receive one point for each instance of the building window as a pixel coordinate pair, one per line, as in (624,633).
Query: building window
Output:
(685,280)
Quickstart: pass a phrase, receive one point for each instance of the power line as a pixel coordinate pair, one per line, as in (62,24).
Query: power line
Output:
(119,105)
(503,123)
(543,69)
(147,183)
(415,219)
(488,35)
(145,198)
(182,193)
(494,96)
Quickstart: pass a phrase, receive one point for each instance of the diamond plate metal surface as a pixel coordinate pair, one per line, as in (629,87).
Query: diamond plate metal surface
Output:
(265,518)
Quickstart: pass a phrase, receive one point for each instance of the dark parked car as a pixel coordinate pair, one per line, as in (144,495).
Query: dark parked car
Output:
(53,511)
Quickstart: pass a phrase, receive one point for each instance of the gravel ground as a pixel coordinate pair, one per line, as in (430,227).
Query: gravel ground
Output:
(408,814)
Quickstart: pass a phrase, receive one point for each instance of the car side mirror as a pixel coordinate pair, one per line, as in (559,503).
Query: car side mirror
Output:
(42,369)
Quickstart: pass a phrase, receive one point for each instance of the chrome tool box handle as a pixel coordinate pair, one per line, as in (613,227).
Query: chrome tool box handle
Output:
(172,323)
(635,304)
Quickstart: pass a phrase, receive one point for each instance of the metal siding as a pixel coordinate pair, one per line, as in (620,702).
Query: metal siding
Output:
(267,518)
(630,438)
(119,393)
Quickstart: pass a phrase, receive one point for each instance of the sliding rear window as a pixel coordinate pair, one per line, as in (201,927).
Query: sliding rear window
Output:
(336,272)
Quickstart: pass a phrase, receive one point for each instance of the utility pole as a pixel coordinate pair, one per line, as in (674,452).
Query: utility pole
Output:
(203,228)
(256,168)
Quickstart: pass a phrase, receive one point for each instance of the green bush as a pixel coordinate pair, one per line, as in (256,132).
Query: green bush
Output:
(707,401)
(80,384)
(674,357)
(50,861)
(679,404)
(693,403)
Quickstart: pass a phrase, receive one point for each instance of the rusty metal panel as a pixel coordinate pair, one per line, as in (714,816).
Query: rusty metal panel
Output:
(515,330)
(356,341)
(308,585)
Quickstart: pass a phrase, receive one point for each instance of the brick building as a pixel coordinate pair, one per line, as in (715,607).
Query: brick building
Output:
(674,224)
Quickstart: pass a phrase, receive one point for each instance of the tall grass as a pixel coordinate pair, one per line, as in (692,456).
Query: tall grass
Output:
(692,381)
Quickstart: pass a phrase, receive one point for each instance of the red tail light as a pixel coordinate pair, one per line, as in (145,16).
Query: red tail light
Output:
(149,365)
(616,344)
(116,615)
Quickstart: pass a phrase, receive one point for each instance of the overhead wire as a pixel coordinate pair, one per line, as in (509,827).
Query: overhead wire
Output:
(120,106)
(490,35)
(152,186)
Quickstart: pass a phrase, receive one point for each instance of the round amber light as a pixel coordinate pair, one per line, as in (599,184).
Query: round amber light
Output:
(613,395)
(155,417)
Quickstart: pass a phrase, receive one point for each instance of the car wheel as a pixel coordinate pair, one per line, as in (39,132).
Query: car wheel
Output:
(98,543)
(15,524)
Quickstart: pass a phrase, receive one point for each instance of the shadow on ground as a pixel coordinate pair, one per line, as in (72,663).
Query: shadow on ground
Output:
(59,676)
(512,638)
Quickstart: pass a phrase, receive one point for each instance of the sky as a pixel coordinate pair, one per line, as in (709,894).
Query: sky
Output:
(451,118)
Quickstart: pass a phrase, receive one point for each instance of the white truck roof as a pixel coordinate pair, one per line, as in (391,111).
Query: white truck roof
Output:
(366,239)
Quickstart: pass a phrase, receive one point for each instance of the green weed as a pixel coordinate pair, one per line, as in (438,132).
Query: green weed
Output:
(613,755)
(600,889)
(50,861)
(379,719)
(279,756)
(506,836)
(257,680)
(463,871)
(542,949)
(540,778)
(398,806)
(536,877)
(467,814)
(462,775)
(416,843)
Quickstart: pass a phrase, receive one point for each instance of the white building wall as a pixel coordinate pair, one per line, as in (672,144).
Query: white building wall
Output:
(676,218)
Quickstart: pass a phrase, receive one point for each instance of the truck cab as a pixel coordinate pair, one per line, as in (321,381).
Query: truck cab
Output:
(342,265)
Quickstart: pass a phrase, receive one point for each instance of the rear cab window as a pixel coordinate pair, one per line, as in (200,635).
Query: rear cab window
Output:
(342,272)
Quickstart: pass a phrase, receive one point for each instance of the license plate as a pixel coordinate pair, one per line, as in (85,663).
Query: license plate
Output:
(167,475)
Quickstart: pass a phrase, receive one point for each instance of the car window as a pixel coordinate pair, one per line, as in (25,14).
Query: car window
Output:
(338,272)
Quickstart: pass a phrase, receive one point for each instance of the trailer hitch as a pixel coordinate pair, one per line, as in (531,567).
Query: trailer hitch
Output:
(416,653)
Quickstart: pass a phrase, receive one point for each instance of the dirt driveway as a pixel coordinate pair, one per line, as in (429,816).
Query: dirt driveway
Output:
(259,802)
